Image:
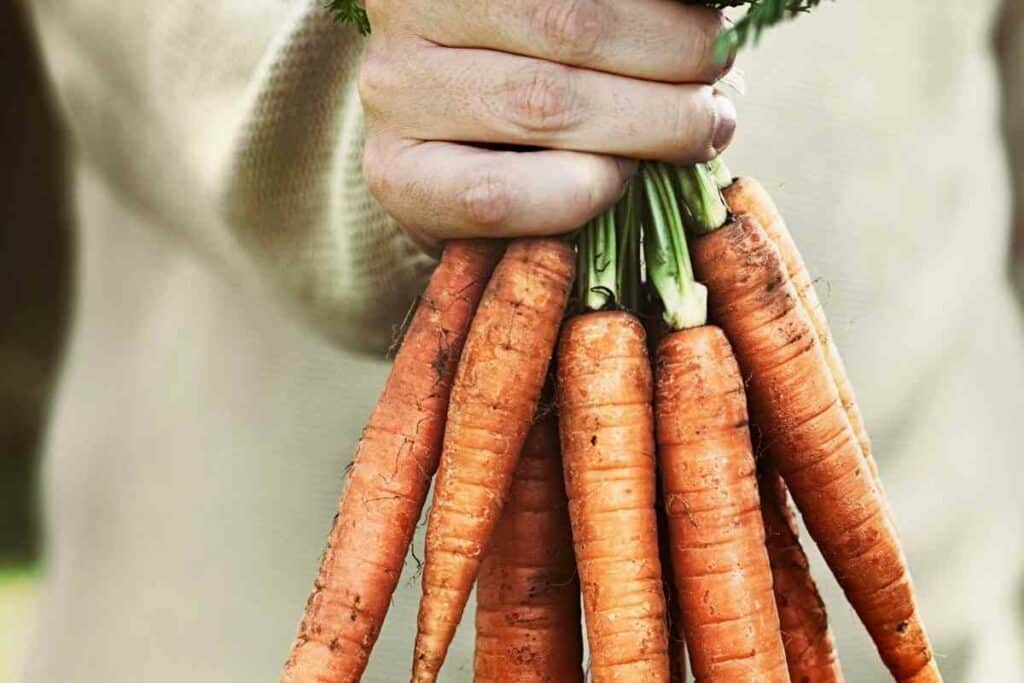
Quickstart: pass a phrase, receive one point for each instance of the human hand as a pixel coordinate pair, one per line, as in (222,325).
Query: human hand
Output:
(592,82)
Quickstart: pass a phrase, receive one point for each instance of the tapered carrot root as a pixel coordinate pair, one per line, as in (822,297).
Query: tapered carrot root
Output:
(498,383)
(746,196)
(676,635)
(810,648)
(722,575)
(808,435)
(527,595)
(388,483)
(604,398)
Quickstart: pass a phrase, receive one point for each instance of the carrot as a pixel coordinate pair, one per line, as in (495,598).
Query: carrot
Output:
(676,635)
(604,400)
(722,578)
(721,568)
(810,649)
(493,400)
(604,388)
(746,196)
(808,435)
(527,595)
(390,475)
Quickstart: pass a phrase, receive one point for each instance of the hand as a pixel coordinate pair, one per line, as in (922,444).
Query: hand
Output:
(592,82)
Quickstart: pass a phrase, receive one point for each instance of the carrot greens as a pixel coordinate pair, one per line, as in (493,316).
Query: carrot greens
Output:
(760,15)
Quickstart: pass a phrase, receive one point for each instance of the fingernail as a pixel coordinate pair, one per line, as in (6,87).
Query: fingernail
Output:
(725,122)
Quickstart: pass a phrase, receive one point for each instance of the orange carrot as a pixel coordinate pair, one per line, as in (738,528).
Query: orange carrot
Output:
(720,565)
(676,635)
(527,595)
(810,649)
(808,435)
(746,196)
(390,475)
(497,385)
(604,398)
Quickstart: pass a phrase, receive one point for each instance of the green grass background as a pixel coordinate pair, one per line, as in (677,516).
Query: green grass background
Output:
(18,590)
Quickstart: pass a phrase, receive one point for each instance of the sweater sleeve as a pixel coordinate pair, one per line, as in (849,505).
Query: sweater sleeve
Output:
(294,194)
(235,126)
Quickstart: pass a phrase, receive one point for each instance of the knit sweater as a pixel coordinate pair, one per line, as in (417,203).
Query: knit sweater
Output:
(233,273)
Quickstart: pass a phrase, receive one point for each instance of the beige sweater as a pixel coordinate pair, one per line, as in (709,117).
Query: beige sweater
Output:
(231,265)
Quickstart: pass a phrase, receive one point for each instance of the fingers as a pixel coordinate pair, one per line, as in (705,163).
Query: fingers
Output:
(442,190)
(663,40)
(591,81)
(495,97)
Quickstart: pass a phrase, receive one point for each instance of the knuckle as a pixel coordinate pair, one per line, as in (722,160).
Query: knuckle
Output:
(375,169)
(378,75)
(712,68)
(585,200)
(694,125)
(572,27)
(542,98)
(487,201)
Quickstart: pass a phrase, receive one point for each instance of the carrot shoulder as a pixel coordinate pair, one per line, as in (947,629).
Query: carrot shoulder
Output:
(527,595)
(604,398)
(497,386)
(808,435)
(810,648)
(390,475)
(746,196)
(720,565)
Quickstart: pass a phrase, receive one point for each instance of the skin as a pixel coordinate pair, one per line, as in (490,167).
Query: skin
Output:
(390,475)
(444,84)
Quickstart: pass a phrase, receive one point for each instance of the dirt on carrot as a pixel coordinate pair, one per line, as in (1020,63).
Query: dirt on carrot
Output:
(606,421)
(389,477)
(676,634)
(746,196)
(494,398)
(717,544)
(810,648)
(808,435)
(527,595)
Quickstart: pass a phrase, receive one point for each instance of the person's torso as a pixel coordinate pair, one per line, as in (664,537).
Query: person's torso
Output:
(200,438)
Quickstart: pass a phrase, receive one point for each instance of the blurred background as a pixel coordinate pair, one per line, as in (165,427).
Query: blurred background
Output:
(35,263)
(36,260)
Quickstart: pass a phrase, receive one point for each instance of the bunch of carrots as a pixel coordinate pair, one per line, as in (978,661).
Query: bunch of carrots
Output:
(583,407)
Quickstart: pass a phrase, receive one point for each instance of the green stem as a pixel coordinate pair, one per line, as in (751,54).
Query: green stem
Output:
(629,266)
(598,263)
(704,210)
(668,259)
(582,239)
(720,172)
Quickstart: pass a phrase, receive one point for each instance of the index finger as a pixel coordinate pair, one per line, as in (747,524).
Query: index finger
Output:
(663,40)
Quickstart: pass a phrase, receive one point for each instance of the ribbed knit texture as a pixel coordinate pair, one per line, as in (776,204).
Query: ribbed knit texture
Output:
(295,195)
